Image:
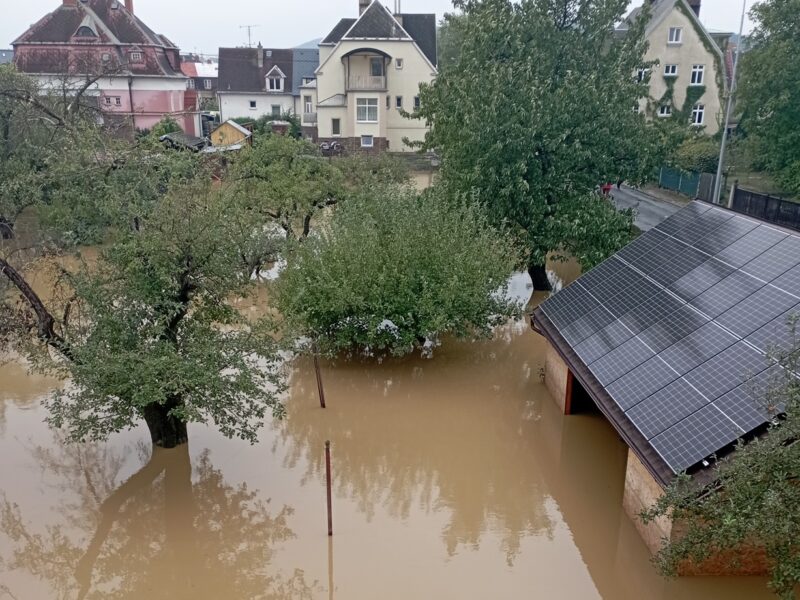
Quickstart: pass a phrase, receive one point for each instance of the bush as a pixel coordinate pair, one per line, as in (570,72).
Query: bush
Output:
(699,154)
(394,271)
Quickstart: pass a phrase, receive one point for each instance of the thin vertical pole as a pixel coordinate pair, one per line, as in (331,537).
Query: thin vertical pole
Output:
(328,485)
(731,92)
(320,389)
(330,568)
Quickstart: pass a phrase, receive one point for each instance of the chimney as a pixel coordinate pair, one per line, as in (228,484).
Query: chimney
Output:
(695,4)
(362,6)
(129,5)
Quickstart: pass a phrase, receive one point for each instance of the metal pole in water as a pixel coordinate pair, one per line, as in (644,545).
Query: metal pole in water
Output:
(328,485)
(319,377)
(330,568)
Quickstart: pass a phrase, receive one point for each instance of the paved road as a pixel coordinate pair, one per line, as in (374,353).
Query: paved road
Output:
(649,211)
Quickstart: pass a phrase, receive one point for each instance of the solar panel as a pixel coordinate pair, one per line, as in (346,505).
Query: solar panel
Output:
(620,361)
(727,293)
(701,278)
(695,438)
(747,404)
(697,347)
(677,326)
(757,310)
(727,370)
(746,248)
(665,408)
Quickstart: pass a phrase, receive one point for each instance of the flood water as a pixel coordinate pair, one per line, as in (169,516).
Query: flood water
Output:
(454,477)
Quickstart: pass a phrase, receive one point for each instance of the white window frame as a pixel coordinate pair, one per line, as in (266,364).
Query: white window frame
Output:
(698,75)
(307,80)
(665,110)
(698,114)
(333,129)
(136,57)
(398,64)
(107,100)
(368,105)
(253,105)
(398,102)
(364,139)
(641,75)
(417,103)
(670,70)
(675,35)
(308,104)
(117,101)
(190,84)
(277,81)
(207,84)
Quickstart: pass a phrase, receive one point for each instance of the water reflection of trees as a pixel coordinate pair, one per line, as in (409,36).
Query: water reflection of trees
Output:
(443,436)
(157,535)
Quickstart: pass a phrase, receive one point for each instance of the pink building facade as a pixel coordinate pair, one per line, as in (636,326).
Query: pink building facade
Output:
(134,73)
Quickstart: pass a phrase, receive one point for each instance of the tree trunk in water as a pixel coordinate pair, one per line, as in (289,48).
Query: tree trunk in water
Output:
(539,278)
(166,431)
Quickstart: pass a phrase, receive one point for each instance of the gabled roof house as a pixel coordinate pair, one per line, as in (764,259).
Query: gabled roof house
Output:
(135,72)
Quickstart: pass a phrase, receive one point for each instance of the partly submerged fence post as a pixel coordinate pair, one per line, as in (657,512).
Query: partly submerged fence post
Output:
(328,485)
(731,198)
(319,377)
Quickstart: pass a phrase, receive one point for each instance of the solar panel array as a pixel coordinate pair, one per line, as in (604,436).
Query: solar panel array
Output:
(677,327)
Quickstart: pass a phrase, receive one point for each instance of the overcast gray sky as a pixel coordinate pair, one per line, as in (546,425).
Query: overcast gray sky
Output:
(205,25)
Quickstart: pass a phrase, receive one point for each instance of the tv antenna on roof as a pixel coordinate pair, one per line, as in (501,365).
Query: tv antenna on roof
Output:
(249,33)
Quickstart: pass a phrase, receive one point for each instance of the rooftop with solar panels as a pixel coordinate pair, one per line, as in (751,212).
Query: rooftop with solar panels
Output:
(672,336)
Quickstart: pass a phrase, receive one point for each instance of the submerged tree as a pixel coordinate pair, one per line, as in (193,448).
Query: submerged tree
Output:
(534,111)
(754,500)
(770,90)
(394,269)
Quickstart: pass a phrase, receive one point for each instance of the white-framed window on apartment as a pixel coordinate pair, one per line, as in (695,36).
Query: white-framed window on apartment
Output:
(665,110)
(698,114)
(307,80)
(136,57)
(367,141)
(275,84)
(190,84)
(398,64)
(670,70)
(112,101)
(698,74)
(416,103)
(117,101)
(252,104)
(308,105)
(641,75)
(398,102)
(367,110)
(275,110)
(336,127)
(207,84)
(675,35)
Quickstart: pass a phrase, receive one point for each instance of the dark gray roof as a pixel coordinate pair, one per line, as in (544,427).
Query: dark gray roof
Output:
(6,57)
(376,22)
(341,28)
(672,335)
(423,29)
(305,63)
(239,69)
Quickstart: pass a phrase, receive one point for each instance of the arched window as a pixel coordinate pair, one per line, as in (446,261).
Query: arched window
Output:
(84,31)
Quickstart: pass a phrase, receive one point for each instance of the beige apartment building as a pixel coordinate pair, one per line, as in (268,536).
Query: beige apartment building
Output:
(688,80)
(370,72)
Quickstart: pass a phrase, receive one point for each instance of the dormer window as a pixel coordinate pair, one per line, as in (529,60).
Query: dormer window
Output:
(85,32)
(136,57)
(275,79)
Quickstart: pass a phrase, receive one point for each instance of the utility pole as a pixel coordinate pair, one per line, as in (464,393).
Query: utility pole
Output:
(249,33)
(731,92)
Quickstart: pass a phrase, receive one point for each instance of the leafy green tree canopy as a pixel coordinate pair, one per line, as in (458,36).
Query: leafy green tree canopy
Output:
(535,111)
(770,89)
(395,269)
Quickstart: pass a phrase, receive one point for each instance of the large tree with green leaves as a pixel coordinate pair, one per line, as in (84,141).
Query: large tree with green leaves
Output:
(534,111)
(754,499)
(145,331)
(770,90)
(394,270)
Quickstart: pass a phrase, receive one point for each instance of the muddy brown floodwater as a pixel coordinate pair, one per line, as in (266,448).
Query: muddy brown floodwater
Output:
(454,477)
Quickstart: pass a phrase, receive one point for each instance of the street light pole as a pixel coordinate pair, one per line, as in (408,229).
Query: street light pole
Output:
(731,92)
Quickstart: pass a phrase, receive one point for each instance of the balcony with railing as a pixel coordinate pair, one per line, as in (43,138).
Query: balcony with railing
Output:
(310,118)
(361,83)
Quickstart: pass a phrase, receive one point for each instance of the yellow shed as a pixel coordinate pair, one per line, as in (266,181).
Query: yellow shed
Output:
(230,133)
